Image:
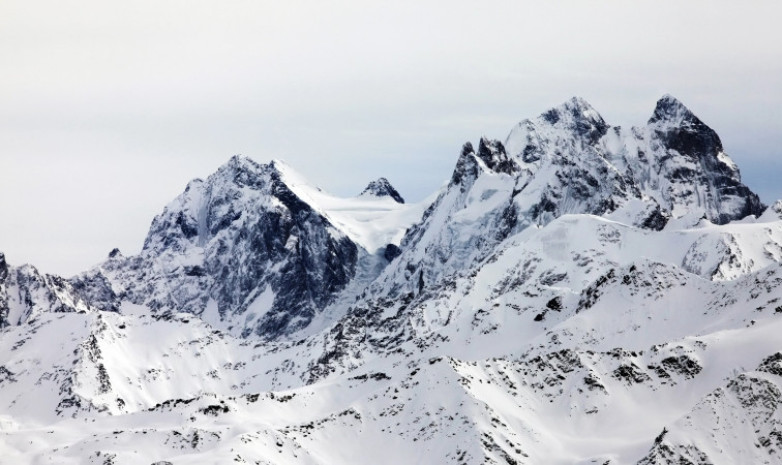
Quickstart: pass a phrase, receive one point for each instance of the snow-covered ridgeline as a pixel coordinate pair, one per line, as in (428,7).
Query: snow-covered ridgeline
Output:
(579,293)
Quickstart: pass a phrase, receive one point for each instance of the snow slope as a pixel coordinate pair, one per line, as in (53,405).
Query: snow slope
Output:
(578,294)
(373,219)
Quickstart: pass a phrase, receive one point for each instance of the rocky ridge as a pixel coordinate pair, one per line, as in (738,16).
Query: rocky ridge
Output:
(565,283)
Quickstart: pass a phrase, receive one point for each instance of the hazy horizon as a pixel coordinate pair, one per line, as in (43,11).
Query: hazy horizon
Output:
(109,110)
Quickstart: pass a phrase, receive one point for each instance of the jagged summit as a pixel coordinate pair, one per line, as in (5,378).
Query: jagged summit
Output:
(493,157)
(382,188)
(254,248)
(574,108)
(675,162)
(565,284)
(244,246)
(671,110)
(244,171)
(579,117)
(239,163)
(577,109)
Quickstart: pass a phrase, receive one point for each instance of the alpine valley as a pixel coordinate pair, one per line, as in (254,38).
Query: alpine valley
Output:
(578,293)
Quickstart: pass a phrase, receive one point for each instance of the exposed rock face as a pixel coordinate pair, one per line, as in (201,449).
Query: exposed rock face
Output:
(675,165)
(492,154)
(570,161)
(3,267)
(243,248)
(26,293)
(575,293)
(697,171)
(240,247)
(382,188)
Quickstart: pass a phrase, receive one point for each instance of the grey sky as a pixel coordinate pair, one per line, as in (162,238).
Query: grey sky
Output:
(107,109)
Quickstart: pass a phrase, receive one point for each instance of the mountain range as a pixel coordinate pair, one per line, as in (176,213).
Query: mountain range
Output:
(576,293)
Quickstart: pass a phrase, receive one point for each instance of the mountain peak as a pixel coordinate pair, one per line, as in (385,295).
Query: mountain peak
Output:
(244,171)
(382,188)
(238,168)
(578,116)
(670,109)
(240,161)
(576,108)
(579,103)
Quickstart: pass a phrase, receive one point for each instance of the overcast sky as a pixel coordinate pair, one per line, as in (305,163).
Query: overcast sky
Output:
(107,108)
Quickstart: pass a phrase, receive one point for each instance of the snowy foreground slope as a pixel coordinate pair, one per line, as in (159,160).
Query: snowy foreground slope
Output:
(577,294)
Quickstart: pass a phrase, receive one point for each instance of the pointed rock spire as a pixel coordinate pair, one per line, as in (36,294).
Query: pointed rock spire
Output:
(466,169)
(3,266)
(670,109)
(689,141)
(382,188)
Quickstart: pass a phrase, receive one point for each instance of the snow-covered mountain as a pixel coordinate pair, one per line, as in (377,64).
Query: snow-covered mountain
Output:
(254,249)
(382,188)
(579,293)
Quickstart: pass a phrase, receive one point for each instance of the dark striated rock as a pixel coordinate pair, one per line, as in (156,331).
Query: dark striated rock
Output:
(493,154)
(683,365)
(96,291)
(32,293)
(382,188)
(656,220)
(772,364)
(684,134)
(391,252)
(3,267)
(630,374)
(579,117)
(242,232)
(466,169)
